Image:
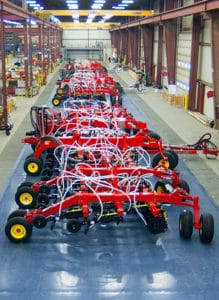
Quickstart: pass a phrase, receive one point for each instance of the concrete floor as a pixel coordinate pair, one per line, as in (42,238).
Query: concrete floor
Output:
(123,262)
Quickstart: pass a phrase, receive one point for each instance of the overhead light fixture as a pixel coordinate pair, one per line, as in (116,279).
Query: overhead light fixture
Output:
(73,6)
(118,7)
(128,1)
(11,22)
(97,6)
(100,1)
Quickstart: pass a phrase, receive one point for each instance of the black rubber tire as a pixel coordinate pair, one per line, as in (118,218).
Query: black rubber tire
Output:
(157,158)
(17,213)
(154,135)
(73,225)
(39,222)
(26,197)
(43,199)
(184,185)
(175,155)
(44,188)
(25,183)
(160,187)
(19,226)
(47,172)
(48,164)
(206,231)
(186,224)
(33,166)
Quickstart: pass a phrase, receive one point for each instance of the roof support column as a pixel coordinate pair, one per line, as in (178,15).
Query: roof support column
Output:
(49,50)
(148,41)
(170,36)
(40,46)
(124,46)
(26,57)
(3,90)
(194,62)
(159,55)
(215,62)
(30,62)
(115,40)
(134,36)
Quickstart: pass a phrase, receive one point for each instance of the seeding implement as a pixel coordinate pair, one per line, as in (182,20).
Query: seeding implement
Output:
(93,206)
(94,159)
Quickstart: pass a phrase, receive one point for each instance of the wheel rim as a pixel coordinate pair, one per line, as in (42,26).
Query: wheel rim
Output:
(26,199)
(200,229)
(18,231)
(59,91)
(159,189)
(56,102)
(33,167)
(164,163)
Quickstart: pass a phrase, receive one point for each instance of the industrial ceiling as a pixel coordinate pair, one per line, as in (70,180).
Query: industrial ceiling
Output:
(109,11)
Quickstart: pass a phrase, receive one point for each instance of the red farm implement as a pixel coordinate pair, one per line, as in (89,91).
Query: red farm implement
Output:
(85,208)
(98,164)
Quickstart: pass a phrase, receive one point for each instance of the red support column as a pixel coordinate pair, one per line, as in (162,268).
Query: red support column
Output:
(148,42)
(170,37)
(3,92)
(159,55)
(194,62)
(40,54)
(215,62)
(26,57)
(30,55)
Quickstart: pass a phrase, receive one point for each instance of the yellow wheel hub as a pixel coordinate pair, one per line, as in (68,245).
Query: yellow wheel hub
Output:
(164,163)
(160,189)
(26,198)
(55,101)
(59,91)
(33,168)
(18,231)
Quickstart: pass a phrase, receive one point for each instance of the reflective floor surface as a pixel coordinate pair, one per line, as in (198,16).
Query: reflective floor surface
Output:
(110,261)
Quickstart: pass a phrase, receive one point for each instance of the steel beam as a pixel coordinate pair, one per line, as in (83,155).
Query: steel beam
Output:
(98,12)
(159,54)
(170,34)
(195,8)
(4,115)
(148,42)
(215,51)
(83,25)
(194,62)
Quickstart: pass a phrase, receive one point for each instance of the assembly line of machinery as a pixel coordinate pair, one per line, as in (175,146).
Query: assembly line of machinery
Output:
(93,162)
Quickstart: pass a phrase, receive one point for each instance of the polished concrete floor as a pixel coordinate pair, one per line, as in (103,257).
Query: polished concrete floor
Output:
(121,262)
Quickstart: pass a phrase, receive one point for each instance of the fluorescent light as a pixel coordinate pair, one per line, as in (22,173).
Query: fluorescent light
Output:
(128,1)
(118,7)
(11,22)
(97,6)
(100,1)
(73,6)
